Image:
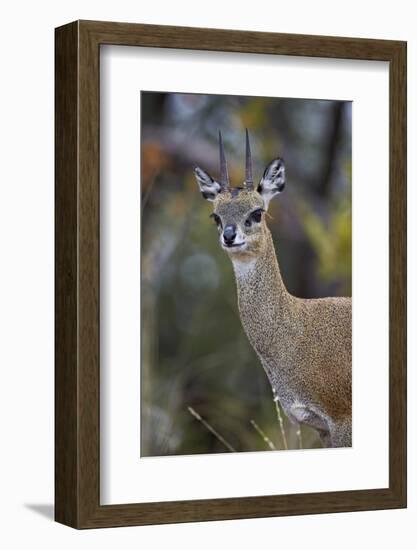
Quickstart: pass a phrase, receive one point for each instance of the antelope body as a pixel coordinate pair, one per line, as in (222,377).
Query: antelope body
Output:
(304,344)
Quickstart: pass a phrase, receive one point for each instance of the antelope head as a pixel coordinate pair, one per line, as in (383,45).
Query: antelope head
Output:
(239,212)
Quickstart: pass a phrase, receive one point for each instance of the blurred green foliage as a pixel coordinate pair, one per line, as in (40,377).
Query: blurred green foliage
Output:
(194,351)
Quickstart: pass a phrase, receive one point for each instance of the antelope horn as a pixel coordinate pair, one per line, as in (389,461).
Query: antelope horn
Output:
(248,169)
(224,176)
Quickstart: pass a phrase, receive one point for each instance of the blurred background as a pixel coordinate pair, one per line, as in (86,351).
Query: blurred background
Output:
(203,389)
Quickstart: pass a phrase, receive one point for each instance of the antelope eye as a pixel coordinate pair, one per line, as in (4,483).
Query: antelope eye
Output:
(255,216)
(216,219)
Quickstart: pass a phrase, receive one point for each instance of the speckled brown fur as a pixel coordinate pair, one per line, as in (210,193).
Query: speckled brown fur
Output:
(305,345)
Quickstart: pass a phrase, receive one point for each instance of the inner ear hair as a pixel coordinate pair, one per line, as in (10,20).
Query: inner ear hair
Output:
(208,186)
(273,180)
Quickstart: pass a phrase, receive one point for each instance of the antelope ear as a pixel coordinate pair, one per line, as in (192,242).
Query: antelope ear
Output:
(208,186)
(273,180)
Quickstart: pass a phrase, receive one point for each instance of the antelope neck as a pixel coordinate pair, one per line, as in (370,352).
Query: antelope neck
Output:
(259,281)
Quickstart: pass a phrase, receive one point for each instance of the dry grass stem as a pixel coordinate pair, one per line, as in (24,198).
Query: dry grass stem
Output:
(263,435)
(299,437)
(210,428)
(281,425)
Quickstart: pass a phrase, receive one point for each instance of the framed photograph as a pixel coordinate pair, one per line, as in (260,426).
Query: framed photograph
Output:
(230,274)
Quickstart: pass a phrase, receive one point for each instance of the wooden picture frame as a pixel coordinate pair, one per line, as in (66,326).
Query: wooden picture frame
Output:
(77,373)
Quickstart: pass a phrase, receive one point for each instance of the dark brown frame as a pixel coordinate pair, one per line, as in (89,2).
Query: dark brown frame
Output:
(77,274)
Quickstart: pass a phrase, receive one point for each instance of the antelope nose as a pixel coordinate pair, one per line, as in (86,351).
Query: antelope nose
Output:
(229,234)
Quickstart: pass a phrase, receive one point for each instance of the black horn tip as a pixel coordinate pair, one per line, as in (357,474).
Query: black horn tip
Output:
(248,169)
(224,176)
